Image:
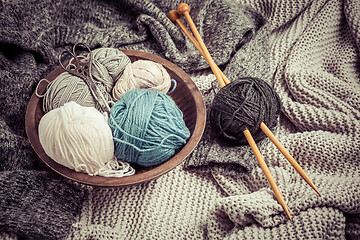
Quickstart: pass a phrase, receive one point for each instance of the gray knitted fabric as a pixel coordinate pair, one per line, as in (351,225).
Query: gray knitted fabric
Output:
(33,204)
(307,50)
(38,205)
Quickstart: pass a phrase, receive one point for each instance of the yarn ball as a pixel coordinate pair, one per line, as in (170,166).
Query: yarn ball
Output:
(67,87)
(107,65)
(148,127)
(79,138)
(112,60)
(244,104)
(142,74)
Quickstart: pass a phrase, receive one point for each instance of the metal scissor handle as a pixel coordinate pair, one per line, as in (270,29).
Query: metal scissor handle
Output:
(80,66)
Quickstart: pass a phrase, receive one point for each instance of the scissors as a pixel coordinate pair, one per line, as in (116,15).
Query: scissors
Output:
(80,66)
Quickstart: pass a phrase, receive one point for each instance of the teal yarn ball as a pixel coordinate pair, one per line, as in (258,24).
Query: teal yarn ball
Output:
(148,127)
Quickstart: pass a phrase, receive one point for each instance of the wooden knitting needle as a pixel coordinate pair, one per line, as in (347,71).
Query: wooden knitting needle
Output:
(175,18)
(184,9)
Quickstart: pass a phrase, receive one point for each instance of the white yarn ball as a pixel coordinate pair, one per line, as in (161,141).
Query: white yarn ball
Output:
(79,138)
(142,74)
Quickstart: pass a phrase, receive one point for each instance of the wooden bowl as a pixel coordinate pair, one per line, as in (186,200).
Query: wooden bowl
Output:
(186,96)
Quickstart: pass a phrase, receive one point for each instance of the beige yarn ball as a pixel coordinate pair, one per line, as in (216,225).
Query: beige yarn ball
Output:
(142,74)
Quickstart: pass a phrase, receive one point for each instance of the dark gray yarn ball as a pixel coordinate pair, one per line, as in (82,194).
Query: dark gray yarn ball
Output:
(244,104)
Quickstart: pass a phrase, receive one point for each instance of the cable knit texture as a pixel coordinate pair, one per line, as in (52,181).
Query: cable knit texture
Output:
(308,51)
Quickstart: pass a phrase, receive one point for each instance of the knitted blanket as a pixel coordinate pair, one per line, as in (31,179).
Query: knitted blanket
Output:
(308,51)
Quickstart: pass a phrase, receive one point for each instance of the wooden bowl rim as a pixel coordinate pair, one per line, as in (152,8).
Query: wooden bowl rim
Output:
(144,176)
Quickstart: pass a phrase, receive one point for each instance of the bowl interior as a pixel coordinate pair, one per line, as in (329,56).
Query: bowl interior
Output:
(186,96)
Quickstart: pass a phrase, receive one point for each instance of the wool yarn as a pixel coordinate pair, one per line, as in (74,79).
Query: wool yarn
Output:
(107,66)
(113,60)
(142,74)
(148,127)
(244,104)
(80,138)
(66,88)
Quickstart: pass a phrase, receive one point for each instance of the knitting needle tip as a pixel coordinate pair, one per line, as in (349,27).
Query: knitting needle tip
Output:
(316,190)
(281,201)
(287,212)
